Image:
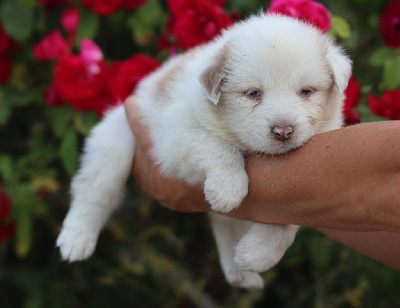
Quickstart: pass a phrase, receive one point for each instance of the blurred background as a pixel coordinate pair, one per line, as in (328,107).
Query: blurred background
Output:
(64,62)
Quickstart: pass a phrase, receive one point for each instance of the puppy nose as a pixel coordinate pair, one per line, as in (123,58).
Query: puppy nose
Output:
(282,133)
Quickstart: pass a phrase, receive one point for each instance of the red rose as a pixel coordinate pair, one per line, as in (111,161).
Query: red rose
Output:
(51,4)
(81,80)
(307,10)
(53,46)
(76,85)
(6,229)
(6,63)
(352,99)
(52,96)
(389,22)
(104,7)
(7,44)
(128,73)
(131,4)
(388,105)
(195,22)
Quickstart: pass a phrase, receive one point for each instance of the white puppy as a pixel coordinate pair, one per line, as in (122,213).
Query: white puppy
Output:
(267,84)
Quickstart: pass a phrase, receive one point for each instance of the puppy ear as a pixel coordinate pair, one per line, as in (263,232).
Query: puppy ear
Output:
(213,76)
(339,63)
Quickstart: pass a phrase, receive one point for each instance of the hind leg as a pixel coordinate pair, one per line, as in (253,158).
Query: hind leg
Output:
(263,246)
(98,187)
(227,231)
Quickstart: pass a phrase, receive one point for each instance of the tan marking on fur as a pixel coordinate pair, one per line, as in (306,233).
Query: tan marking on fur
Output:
(162,85)
(324,47)
(212,77)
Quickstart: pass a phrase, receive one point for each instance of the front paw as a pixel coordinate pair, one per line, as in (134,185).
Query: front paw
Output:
(225,192)
(76,244)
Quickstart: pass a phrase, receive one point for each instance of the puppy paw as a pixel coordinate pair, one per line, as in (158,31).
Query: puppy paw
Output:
(255,259)
(76,244)
(263,246)
(244,279)
(225,192)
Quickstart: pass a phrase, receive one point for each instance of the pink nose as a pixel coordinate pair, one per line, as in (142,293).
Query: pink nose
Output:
(282,133)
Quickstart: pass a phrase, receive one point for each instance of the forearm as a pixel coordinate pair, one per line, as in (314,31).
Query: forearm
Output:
(346,179)
(380,246)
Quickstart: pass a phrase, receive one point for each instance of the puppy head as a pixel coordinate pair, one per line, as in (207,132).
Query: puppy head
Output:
(276,82)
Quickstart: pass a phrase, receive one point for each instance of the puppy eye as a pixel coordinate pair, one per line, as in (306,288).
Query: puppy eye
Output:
(306,92)
(254,93)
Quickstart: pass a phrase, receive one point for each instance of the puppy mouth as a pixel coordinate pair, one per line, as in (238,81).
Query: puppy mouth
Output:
(282,147)
(276,147)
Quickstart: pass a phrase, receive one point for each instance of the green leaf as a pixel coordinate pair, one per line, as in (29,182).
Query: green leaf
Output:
(379,56)
(25,204)
(29,3)
(340,26)
(85,121)
(23,234)
(5,110)
(391,76)
(6,166)
(88,25)
(69,151)
(320,250)
(144,21)
(60,118)
(18,20)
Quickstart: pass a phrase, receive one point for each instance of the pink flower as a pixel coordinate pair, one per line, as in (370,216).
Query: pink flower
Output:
(307,10)
(52,47)
(92,56)
(70,21)
(352,99)
(388,105)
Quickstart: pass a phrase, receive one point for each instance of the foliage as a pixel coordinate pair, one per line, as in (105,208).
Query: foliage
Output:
(148,256)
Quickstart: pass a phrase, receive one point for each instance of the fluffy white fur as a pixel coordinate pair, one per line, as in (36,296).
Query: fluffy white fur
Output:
(205,109)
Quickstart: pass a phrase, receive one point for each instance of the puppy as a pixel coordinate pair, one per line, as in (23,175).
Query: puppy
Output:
(267,84)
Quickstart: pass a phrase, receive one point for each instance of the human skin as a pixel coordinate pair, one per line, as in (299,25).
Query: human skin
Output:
(344,183)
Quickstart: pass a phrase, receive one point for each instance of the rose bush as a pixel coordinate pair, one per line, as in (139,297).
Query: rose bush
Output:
(64,62)
(388,105)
